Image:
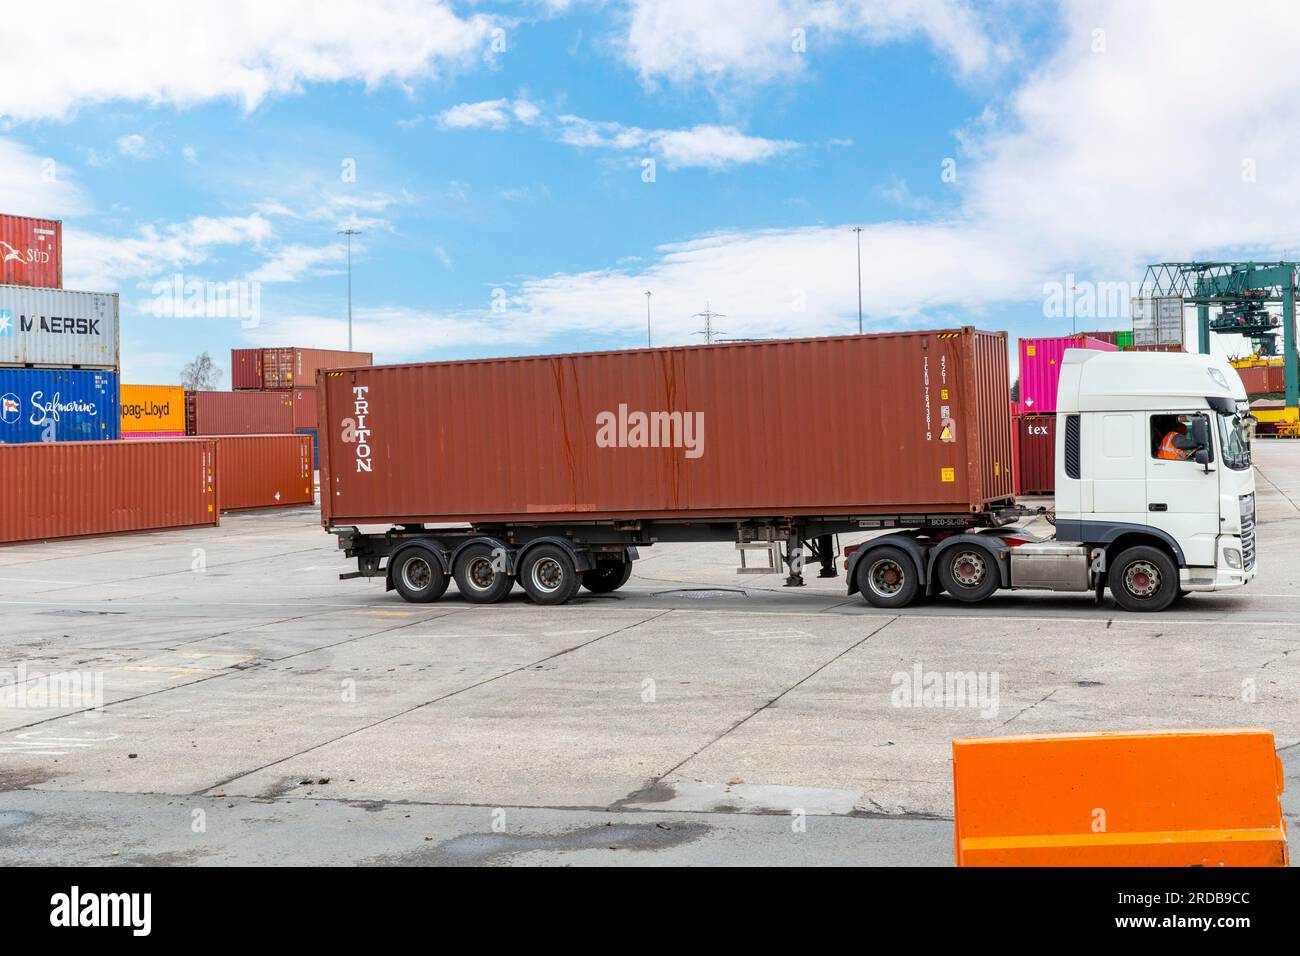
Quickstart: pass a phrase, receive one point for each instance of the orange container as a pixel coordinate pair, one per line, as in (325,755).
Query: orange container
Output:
(917,421)
(1141,798)
(264,471)
(69,489)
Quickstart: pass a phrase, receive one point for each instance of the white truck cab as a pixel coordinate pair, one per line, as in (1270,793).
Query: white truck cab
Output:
(1155,497)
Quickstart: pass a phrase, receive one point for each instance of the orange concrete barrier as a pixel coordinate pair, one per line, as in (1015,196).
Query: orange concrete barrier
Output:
(1140,798)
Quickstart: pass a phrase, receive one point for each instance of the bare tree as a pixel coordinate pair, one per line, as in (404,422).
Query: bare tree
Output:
(201,375)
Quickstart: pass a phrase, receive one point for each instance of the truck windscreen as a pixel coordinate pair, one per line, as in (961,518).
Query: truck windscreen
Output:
(1234,440)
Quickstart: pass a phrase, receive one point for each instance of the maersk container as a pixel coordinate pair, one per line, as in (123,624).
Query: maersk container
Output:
(31,252)
(238,413)
(50,404)
(1040,368)
(106,487)
(58,328)
(698,432)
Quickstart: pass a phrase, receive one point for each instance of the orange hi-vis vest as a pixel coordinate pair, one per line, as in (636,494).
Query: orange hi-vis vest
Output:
(1170,451)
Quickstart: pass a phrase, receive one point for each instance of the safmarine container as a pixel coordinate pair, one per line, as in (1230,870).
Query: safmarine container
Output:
(245,368)
(153,410)
(1040,368)
(238,413)
(83,488)
(289,367)
(264,471)
(1036,442)
(54,327)
(31,252)
(690,432)
(47,404)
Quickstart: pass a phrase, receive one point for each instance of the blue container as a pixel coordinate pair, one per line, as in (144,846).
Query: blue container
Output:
(315,445)
(58,404)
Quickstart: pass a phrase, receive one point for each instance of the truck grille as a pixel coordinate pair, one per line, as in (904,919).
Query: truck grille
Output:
(1248,531)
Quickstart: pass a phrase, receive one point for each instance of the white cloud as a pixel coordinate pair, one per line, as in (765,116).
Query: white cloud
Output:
(474,115)
(294,262)
(191,154)
(245,50)
(34,185)
(741,42)
(136,146)
(715,147)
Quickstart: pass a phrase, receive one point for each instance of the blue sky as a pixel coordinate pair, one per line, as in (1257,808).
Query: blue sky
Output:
(500,153)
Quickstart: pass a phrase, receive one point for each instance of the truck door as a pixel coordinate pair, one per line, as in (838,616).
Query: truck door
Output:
(1182,496)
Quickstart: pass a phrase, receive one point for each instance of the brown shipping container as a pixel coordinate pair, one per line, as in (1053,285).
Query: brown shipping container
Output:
(1263,379)
(288,367)
(245,369)
(1036,436)
(31,252)
(849,425)
(304,407)
(238,413)
(264,471)
(68,489)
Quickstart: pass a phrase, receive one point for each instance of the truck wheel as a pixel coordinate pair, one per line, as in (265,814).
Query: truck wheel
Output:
(1143,579)
(607,577)
(887,578)
(548,575)
(968,572)
(478,576)
(418,577)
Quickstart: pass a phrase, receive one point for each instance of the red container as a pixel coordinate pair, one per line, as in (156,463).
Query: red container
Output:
(303,401)
(264,471)
(238,413)
(1110,337)
(31,252)
(1040,368)
(69,489)
(921,423)
(289,367)
(1263,379)
(246,368)
(1036,447)
(1156,348)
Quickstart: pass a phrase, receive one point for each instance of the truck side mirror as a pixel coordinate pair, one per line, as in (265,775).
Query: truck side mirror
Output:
(1200,434)
(1202,455)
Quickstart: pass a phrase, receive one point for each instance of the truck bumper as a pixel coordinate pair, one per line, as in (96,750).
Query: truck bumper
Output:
(1223,576)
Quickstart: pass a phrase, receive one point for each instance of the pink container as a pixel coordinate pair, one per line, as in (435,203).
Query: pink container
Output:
(132,436)
(1040,369)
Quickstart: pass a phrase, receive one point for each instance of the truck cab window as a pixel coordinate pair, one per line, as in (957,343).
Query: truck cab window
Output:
(1171,437)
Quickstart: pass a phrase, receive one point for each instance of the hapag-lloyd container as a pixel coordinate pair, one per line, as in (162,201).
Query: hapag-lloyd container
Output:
(31,252)
(106,487)
(55,327)
(153,410)
(57,404)
(923,424)
(264,471)
(290,367)
(238,413)
(1040,368)
(1036,466)
(246,368)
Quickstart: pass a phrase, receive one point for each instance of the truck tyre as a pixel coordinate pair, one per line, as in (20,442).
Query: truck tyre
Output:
(1143,579)
(887,578)
(606,577)
(968,572)
(479,575)
(548,575)
(418,577)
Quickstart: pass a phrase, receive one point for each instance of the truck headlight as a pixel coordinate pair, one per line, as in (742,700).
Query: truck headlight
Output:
(1233,557)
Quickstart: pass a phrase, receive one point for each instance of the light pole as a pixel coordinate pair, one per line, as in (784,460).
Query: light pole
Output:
(647,320)
(858,230)
(349,233)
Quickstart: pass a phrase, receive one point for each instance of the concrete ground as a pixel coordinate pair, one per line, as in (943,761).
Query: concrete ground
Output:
(255,709)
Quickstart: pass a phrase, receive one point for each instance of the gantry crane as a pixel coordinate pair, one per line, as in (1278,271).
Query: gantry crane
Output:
(1242,291)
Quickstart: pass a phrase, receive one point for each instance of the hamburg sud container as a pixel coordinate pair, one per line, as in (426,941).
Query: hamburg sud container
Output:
(1036,446)
(82,488)
(238,413)
(1040,368)
(686,433)
(31,252)
(264,471)
(55,327)
(289,367)
(153,410)
(57,404)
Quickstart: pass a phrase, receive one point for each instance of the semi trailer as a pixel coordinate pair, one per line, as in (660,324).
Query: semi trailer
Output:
(553,472)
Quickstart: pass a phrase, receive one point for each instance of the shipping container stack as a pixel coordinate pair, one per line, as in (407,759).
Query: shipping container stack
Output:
(58,348)
(289,374)
(1035,426)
